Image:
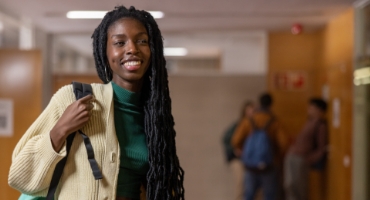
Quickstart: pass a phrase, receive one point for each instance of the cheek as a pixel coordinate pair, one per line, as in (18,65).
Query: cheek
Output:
(115,54)
(112,54)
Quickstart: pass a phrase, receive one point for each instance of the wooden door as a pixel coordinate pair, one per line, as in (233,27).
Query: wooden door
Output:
(20,82)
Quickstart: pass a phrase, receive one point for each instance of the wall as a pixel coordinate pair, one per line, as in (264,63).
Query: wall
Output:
(241,52)
(326,58)
(337,72)
(62,80)
(293,53)
(361,101)
(20,81)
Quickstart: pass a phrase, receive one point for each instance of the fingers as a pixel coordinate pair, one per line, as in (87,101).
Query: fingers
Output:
(85,107)
(86,103)
(87,99)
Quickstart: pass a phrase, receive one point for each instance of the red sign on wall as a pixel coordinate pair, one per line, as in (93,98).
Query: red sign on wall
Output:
(290,80)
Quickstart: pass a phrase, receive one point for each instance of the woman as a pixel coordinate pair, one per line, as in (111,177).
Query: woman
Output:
(128,120)
(234,162)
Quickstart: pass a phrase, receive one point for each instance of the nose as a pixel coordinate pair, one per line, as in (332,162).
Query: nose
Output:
(131,48)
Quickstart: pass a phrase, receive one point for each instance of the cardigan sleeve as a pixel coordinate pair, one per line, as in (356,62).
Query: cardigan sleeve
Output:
(34,158)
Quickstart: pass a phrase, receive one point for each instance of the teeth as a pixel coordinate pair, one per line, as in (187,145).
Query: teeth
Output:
(131,63)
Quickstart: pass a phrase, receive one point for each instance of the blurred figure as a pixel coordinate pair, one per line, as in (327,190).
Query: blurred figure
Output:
(266,177)
(309,150)
(233,161)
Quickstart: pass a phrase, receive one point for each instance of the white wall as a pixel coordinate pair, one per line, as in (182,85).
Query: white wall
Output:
(241,52)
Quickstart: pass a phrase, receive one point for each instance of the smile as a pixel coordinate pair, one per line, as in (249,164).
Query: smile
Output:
(132,63)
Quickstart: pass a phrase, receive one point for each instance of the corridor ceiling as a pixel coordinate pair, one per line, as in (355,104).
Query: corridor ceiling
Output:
(184,15)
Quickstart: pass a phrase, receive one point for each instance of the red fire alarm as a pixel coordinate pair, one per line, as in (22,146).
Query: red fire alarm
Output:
(297,29)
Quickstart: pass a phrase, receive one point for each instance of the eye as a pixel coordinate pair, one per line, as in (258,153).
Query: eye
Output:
(119,43)
(142,41)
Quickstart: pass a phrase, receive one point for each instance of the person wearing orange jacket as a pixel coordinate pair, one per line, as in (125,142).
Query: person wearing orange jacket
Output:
(268,180)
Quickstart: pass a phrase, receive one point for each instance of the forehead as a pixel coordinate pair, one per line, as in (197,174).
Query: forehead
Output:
(126,25)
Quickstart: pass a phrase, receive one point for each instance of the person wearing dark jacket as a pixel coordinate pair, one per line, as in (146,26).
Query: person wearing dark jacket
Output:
(309,149)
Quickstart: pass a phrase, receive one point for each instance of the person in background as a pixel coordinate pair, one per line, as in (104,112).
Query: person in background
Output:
(233,161)
(308,150)
(267,180)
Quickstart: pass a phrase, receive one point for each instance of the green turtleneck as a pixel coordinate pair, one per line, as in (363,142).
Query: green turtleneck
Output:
(129,123)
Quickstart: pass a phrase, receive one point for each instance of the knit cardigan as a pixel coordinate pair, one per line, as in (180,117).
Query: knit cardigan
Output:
(34,159)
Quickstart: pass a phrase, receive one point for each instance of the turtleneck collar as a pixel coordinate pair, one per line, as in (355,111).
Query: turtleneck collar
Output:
(125,96)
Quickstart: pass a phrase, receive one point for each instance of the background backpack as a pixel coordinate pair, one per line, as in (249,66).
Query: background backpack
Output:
(257,152)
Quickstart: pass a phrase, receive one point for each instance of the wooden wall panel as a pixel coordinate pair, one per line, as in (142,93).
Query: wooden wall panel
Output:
(293,53)
(326,57)
(20,81)
(336,72)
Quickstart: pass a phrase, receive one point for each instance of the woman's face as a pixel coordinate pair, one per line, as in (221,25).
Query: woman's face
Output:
(249,111)
(128,51)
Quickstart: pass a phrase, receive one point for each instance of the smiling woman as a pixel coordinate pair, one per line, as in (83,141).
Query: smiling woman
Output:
(128,121)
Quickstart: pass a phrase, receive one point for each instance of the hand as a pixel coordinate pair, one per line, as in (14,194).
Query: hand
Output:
(74,118)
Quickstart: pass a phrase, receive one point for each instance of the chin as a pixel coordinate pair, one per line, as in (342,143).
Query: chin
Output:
(133,77)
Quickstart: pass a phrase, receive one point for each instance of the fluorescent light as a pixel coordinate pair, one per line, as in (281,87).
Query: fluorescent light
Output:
(79,14)
(157,14)
(86,14)
(175,51)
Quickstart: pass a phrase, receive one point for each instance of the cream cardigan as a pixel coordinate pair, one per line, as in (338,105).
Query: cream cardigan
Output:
(34,158)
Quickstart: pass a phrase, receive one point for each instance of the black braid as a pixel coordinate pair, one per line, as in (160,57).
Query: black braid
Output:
(165,177)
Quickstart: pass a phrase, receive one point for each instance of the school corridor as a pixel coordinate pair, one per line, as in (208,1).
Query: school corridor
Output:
(219,55)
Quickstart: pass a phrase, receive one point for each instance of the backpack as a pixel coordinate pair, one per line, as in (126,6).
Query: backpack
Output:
(80,90)
(257,154)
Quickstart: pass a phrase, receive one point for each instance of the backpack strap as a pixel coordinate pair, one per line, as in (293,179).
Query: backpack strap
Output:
(59,169)
(80,90)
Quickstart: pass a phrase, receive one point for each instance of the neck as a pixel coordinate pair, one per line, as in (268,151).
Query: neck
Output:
(134,86)
(265,109)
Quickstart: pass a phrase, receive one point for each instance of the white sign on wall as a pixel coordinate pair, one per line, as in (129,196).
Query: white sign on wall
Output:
(336,113)
(6,117)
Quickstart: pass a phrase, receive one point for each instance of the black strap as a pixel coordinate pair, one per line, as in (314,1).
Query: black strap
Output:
(59,170)
(80,90)
(91,156)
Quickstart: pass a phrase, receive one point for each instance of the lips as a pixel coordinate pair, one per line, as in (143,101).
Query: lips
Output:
(132,65)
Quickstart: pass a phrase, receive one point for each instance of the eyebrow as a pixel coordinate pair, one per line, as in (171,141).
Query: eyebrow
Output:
(120,35)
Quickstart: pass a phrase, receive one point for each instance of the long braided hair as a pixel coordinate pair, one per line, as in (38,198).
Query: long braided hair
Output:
(165,176)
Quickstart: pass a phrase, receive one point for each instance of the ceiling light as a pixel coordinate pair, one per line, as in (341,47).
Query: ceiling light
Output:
(86,14)
(175,51)
(157,14)
(79,14)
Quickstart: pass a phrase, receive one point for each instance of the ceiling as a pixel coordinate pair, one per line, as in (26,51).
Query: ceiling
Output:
(184,16)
